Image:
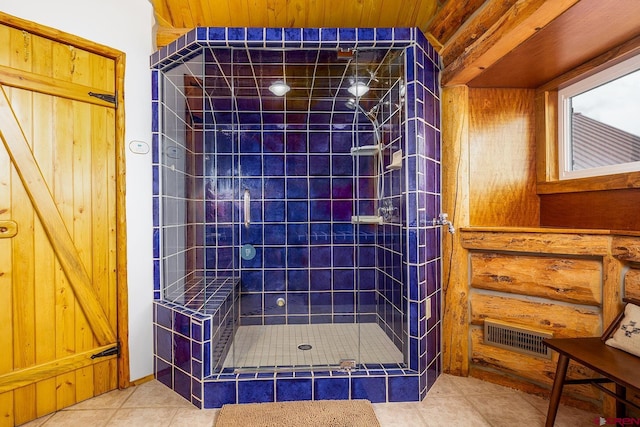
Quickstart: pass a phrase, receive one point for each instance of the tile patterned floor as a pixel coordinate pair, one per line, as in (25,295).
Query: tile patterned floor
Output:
(452,401)
(277,345)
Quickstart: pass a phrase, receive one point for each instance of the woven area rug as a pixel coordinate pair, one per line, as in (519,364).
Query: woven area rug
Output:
(334,413)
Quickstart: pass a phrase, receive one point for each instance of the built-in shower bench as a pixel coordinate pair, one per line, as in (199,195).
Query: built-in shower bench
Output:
(194,327)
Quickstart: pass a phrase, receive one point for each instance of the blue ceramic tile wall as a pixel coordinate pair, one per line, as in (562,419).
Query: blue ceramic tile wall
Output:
(302,189)
(299,171)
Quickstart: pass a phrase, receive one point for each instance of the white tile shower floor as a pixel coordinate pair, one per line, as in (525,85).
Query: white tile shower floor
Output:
(277,345)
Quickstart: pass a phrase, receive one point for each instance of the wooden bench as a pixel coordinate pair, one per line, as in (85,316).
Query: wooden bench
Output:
(615,366)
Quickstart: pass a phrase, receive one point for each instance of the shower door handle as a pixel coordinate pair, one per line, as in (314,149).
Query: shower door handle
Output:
(247,208)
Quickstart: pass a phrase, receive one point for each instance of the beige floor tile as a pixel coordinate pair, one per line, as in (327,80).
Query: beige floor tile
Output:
(506,410)
(37,422)
(451,401)
(567,416)
(450,411)
(154,394)
(91,417)
(111,400)
(194,417)
(398,415)
(451,385)
(143,417)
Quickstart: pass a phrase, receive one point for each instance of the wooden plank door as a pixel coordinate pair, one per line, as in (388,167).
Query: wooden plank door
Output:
(58,225)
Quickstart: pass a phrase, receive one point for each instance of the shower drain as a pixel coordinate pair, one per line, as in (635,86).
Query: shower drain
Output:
(305,347)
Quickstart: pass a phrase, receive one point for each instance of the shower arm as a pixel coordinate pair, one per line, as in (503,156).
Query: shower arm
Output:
(247,208)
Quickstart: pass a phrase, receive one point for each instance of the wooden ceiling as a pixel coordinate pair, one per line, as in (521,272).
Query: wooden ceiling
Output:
(440,18)
(481,42)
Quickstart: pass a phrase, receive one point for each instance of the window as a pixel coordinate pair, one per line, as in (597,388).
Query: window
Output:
(599,123)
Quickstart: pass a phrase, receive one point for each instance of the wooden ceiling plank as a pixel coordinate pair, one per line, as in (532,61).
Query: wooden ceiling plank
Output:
(334,13)
(238,12)
(424,13)
(407,14)
(369,13)
(221,15)
(161,12)
(314,11)
(296,14)
(204,13)
(180,13)
(521,21)
(275,9)
(165,35)
(451,16)
(257,12)
(389,13)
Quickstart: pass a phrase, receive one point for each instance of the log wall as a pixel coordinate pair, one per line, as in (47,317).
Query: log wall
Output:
(567,282)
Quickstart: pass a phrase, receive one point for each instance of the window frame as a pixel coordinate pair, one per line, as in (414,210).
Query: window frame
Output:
(565,94)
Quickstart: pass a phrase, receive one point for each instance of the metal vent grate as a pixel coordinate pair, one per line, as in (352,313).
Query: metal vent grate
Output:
(516,338)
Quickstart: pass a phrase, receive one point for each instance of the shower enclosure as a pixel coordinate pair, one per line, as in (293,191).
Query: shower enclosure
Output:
(296,176)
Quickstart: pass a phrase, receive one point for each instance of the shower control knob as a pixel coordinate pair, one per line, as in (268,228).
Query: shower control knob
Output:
(280,302)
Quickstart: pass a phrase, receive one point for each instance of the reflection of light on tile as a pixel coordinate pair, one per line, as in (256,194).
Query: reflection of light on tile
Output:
(277,345)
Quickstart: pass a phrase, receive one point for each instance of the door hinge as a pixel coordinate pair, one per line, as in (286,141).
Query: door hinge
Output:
(105,97)
(108,352)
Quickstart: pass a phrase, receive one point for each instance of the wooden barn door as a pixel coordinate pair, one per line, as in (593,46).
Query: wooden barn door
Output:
(58,225)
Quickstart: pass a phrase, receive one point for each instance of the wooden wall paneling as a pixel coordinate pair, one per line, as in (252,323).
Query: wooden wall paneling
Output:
(626,248)
(502,158)
(632,283)
(546,105)
(608,210)
(536,370)
(538,242)
(577,281)
(563,320)
(628,180)
(455,201)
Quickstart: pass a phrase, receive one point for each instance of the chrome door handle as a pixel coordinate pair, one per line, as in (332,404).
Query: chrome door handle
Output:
(247,208)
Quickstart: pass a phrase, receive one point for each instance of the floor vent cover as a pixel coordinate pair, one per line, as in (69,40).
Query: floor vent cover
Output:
(516,338)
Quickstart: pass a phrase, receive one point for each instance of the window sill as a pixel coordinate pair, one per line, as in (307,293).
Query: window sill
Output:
(599,183)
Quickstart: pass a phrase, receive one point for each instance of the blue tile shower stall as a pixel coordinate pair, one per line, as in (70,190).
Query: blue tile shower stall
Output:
(217,132)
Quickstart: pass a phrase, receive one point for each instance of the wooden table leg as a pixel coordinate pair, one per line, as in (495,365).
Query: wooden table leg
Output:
(621,408)
(556,390)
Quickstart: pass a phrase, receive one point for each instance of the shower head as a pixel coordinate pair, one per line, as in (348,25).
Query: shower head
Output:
(352,104)
(370,115)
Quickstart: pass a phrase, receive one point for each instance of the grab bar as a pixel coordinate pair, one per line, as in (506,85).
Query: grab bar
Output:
(247,208)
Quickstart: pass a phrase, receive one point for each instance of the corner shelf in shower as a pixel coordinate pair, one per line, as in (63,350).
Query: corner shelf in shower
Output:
(365,150)
(366,219)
